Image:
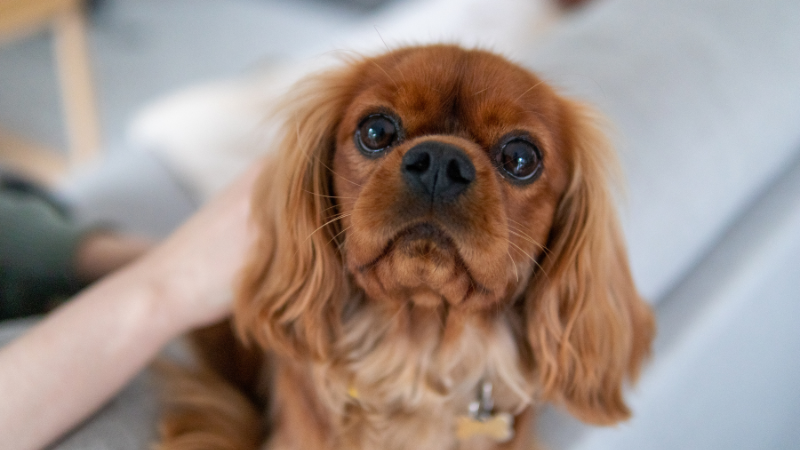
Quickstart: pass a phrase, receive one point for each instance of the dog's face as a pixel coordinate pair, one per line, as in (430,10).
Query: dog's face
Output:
(448,179)
(447,172)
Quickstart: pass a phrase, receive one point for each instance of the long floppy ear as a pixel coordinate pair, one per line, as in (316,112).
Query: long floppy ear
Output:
(587,325)
(293,285)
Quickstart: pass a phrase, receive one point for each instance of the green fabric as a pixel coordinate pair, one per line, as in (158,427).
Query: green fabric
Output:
(37,247)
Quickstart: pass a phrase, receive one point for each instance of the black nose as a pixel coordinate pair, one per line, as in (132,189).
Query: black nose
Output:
(437,171)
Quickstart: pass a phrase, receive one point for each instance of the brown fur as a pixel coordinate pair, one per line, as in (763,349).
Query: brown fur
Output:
(531,290)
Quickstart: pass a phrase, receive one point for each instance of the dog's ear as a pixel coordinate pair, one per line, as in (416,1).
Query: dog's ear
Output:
(587,325)
(292,287)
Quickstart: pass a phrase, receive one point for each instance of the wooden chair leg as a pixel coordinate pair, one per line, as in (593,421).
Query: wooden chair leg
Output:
(77,91)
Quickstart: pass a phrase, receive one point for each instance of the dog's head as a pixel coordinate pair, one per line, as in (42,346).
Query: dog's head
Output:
(442,178)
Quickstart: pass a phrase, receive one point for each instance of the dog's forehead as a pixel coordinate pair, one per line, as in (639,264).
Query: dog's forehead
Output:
(444,89)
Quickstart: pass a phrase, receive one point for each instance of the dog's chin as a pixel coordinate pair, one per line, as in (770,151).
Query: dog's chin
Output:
(422,265)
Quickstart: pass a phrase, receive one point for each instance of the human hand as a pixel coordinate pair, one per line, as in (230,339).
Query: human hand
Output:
(194,271)
(101,252)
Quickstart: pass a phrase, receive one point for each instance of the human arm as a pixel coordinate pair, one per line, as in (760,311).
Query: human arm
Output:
(77,358)
(102,252)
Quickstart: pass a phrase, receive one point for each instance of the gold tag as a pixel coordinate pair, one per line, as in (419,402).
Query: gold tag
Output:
(352,392)
(499,427)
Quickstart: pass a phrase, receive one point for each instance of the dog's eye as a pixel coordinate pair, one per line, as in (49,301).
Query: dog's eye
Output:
(520,159)
(376,133)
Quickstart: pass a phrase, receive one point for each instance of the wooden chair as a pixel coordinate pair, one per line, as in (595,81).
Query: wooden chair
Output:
(66,19)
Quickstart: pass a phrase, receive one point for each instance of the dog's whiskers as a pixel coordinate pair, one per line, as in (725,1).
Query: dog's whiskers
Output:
(334,218)
(328,196)
(386,73)
(514,228)
(475,94)
(339,245)
(334,206)
(513,264)
(529,239)
(529,256)
(528,90)
(536,113)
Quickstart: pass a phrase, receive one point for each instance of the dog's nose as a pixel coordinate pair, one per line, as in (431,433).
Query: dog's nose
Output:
(438,171)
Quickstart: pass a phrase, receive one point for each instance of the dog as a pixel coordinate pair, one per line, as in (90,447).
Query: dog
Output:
(438,256)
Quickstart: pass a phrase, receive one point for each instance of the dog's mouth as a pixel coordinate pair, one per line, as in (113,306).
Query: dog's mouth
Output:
(423,240)
(422,263)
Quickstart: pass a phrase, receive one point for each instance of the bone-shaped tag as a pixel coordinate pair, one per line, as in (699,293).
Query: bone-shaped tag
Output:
(352,392)
(499,427)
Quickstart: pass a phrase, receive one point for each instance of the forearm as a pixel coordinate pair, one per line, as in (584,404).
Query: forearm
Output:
(52,379)
(59,372)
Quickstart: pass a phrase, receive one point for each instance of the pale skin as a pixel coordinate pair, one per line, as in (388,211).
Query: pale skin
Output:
(82,354)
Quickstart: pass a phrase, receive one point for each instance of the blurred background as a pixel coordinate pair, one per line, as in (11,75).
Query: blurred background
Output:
(133,52)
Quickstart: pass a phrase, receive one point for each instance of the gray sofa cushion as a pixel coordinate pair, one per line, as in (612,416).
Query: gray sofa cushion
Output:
(727,355)
(131,191)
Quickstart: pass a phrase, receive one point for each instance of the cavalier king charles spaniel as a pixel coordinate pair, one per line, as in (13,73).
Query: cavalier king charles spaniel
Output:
(438,255)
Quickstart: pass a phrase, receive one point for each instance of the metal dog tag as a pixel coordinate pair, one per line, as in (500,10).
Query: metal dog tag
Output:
(482,422)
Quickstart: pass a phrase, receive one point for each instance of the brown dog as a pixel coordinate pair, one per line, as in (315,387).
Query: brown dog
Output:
(439,254)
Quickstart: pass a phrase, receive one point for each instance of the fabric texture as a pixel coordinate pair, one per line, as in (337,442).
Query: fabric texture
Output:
(37,249)
(131,191)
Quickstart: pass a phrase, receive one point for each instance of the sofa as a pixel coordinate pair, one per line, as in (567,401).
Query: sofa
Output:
(703,98)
